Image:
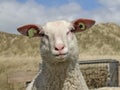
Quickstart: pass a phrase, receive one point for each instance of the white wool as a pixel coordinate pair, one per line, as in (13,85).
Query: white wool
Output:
(59,72)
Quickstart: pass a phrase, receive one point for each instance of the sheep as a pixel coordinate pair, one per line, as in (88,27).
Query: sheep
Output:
(59,52)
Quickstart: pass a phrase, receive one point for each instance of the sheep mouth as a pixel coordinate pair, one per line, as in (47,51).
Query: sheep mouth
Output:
(61,55)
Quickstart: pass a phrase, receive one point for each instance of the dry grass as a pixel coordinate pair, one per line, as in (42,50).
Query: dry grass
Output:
(9,65)
(18,45)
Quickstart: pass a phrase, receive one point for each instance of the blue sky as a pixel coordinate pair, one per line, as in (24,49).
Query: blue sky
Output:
(14,13)
(86,4)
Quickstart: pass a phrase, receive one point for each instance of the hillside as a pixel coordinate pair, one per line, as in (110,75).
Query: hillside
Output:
(102,39)
(15,45)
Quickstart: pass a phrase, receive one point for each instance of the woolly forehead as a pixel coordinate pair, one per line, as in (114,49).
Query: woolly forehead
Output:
(57,27)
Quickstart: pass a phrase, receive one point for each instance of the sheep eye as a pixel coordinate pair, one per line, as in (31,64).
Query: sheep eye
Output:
(82,26)
(44,35)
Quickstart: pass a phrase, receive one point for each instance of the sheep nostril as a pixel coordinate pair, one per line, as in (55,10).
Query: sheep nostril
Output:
(59,47)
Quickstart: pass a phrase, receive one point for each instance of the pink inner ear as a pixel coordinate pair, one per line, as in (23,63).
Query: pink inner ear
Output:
(24,29)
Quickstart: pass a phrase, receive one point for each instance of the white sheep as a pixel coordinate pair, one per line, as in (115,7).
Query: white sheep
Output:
(59,52)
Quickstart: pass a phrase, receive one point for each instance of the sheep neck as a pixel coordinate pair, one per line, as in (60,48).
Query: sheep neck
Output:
(57,76)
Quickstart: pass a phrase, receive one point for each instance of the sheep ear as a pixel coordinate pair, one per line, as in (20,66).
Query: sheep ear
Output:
(29,30)
(82,24)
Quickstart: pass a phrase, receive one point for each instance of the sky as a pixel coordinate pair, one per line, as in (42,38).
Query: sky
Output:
(14,13)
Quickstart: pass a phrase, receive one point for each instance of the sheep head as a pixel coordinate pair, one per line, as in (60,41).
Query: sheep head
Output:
(58,41)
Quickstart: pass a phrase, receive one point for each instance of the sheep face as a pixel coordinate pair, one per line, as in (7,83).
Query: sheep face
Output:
(58,41)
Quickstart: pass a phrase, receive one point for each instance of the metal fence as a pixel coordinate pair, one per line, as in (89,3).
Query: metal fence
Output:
(100,73)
